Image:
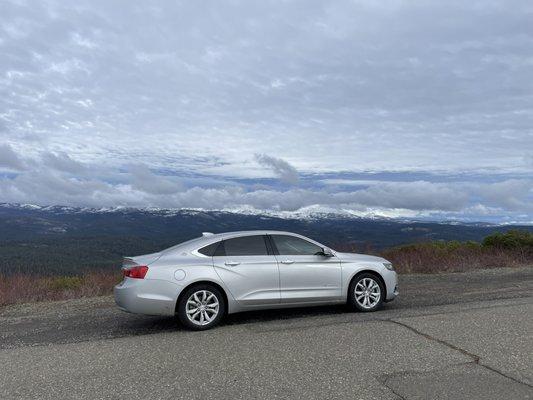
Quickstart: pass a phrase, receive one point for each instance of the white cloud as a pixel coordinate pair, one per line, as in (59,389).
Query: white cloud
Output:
(9,159)
(359,92)
(62,162)
(528,160)
(68,182)
(281,168)
(88,89)
(146,181)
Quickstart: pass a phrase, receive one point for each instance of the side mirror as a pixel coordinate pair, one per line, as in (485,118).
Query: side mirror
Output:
(327,252)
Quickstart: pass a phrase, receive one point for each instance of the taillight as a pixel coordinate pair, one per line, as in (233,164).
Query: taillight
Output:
(138,272)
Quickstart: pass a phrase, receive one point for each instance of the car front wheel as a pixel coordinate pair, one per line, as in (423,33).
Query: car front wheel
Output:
(366,292)
(201,307)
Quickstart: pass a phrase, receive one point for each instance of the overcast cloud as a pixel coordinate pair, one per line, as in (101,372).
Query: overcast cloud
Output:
(281,168)
(419,109)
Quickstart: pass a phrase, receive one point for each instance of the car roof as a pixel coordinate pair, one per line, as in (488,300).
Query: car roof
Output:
(209,238)
(249,233)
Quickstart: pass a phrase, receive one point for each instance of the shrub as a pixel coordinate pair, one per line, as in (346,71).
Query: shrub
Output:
(513,239)
(510,249)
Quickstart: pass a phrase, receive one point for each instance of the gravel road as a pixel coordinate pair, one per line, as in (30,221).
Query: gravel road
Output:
(449,336)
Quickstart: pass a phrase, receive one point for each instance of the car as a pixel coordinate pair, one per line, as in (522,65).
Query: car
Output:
(202,280)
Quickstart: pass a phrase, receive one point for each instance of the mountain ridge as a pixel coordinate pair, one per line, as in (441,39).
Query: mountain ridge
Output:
(298,214)
(65,240)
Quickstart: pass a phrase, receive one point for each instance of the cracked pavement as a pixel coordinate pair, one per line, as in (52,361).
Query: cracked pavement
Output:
(448,336)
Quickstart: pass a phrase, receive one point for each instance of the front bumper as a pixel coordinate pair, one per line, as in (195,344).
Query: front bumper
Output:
(391,282)
(146,296)
(392,296)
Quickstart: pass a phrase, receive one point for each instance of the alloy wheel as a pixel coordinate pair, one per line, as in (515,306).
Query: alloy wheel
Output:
(202,307)
(367,293)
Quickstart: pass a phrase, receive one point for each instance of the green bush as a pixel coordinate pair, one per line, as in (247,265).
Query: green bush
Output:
(513,239)
(66,283)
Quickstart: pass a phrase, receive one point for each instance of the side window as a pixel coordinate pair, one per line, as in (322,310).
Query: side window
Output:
(294,246)
(214,249)
(246,246)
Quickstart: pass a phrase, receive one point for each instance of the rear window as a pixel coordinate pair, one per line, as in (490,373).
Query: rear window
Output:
(246,246)
(211,250)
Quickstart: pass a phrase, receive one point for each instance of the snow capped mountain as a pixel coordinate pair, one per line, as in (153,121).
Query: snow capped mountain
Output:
(308,213)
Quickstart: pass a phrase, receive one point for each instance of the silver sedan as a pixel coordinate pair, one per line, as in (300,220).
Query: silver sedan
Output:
(206,278)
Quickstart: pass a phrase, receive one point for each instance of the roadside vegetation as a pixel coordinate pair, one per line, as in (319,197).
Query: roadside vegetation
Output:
(510,249)
(513,248)
(23,288)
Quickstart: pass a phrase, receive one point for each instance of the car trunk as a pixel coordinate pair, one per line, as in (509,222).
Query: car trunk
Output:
(145,259)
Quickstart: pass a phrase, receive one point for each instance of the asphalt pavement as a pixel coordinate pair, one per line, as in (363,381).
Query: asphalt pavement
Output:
(448,336)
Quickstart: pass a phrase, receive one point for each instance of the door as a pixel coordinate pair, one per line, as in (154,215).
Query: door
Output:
(305,275)
(248,270)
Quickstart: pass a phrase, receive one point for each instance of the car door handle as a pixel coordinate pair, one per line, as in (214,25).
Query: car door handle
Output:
(231,263)
(287,262)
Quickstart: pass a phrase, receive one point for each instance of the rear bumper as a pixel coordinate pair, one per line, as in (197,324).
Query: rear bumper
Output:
(146,296)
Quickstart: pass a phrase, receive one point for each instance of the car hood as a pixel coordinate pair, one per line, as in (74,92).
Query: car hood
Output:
(359,257)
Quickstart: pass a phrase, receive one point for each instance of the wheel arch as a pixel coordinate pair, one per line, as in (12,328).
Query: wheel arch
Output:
(202,282)
(367,271)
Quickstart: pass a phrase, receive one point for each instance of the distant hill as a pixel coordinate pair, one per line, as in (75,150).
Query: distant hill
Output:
(57,239)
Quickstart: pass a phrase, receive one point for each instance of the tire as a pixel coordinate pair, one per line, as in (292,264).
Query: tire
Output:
(197,305)
(367,285)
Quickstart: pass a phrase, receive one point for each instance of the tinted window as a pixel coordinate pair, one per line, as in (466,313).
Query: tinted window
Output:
(246,246)
(210,250)
(290,245)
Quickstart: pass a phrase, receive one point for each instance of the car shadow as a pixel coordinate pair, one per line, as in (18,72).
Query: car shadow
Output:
(140,325)
(249,317)
(132,324)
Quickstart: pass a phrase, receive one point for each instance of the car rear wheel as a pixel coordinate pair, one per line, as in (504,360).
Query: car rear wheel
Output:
(201,307)
(366,292)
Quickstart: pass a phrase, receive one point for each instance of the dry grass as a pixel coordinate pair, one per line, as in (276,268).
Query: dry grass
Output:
(434,259)
(23,288)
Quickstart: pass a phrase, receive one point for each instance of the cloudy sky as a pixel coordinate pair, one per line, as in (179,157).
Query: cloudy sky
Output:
(402,109)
